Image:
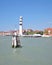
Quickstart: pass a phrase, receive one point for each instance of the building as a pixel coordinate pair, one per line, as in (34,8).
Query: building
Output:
(48,31)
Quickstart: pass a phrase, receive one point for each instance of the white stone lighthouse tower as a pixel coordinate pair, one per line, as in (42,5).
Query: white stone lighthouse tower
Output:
(20,25)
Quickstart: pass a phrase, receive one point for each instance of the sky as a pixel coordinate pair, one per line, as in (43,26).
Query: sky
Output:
(37,14)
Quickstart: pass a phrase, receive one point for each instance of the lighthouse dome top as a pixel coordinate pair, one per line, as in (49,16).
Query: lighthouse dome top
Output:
(21,17)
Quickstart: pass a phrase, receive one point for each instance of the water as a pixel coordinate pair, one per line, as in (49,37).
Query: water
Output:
(34,51)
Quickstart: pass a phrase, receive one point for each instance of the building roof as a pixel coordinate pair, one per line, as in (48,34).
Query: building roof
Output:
(49,29)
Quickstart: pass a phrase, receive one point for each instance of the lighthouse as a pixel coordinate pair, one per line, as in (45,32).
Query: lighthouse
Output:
(20,25)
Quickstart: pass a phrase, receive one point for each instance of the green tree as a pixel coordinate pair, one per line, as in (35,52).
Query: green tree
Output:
(40,32)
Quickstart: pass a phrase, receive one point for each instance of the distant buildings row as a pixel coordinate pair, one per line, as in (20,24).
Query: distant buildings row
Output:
(47,31)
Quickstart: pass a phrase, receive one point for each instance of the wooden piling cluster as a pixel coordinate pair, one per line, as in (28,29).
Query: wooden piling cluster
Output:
(15,41)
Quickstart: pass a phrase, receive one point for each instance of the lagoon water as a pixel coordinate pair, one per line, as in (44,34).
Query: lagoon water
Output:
(34,51)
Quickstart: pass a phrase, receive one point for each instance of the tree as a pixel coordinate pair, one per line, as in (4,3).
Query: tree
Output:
(40,32)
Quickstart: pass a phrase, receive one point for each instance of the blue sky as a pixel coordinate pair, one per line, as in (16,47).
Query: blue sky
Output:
(37,14)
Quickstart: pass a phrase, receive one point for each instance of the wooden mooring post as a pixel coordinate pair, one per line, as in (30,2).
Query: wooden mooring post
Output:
(15,41)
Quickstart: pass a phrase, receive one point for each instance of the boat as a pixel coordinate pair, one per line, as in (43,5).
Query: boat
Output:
(37,35)
(45,36)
